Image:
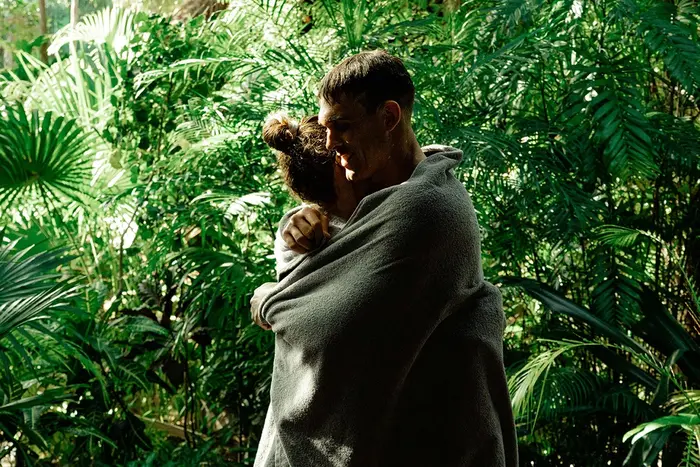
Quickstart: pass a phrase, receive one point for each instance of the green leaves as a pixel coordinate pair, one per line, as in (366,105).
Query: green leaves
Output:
(530,388)
(648,439)
(560,304)
(42,156)
(28,288)
(578,121)
(30,291)
(659,331)
(671,31)
(617,236)
(111,26)
(621,126)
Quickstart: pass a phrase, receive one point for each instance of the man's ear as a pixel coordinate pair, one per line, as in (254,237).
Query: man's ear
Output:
(392,114)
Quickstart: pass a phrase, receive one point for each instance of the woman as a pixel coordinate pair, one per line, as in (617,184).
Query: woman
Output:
(313,175)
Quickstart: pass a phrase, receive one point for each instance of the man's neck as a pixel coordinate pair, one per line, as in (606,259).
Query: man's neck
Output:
(401,165)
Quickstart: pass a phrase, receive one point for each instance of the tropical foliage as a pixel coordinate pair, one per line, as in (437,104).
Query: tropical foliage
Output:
(138,205)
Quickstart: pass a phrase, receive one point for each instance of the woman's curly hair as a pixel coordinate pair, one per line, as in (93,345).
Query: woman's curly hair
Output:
(306,164)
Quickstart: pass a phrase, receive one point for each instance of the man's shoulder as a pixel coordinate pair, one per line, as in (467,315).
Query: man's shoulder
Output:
(431,214)
(430,195)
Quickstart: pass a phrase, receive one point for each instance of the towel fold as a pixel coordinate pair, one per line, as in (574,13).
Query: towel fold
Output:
(388,347)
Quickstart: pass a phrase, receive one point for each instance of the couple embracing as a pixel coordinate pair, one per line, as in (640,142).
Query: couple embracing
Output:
(388,340)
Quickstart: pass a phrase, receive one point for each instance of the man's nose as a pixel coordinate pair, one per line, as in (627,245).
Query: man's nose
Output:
(331,142)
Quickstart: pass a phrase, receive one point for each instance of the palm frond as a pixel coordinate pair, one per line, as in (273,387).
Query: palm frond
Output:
(683,401)
(672,34)
(112,26)
(44,156)
(234,204)
(679,421)
(691,454)
(623,400)
(80,87)
(525,386)
(507,18)
(617,236)
(195,66)
(622,127)
(29,289)
(617,280)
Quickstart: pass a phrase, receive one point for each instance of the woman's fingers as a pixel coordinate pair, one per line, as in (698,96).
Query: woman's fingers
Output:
(255,309)
(324,226)
(292,243)
(306,230)
(314,225)
(300,238)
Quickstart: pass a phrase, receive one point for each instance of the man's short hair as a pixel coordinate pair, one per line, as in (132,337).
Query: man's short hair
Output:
(370,78)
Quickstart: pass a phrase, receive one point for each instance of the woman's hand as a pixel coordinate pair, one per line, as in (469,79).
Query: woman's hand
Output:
(258,296)
(306,229)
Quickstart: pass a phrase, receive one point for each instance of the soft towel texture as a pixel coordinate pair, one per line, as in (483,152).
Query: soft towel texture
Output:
(287,259)
(388,347)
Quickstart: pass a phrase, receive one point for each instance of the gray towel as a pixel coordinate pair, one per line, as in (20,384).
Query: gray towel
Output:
(388,346)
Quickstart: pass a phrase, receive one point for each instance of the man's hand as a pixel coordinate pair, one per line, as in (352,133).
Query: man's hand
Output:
(258,296)
(306,230)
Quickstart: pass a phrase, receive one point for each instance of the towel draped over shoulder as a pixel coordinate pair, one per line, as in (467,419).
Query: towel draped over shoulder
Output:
(389,342)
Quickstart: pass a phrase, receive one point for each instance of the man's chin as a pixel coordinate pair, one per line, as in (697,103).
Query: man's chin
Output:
(356,175)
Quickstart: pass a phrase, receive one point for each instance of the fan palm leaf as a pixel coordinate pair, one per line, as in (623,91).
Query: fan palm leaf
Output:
(44,156)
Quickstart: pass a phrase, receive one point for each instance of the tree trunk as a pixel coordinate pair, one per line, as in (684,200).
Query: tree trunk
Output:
(8,59)
(73,12)
(44,31)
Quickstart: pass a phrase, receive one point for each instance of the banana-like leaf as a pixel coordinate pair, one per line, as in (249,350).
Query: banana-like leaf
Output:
(560,304)
(663,332)
(683,420)
(645,452)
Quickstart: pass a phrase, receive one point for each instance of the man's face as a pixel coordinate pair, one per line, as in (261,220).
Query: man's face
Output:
(360,138)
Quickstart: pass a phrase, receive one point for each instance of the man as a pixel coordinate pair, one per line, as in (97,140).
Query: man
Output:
(388,340)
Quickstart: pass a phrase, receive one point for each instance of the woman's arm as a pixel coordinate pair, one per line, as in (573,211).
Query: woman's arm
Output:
(286,251)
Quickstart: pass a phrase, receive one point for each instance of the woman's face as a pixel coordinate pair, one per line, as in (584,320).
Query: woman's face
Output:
(346,192)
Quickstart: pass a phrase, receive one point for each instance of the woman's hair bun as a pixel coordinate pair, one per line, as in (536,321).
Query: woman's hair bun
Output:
(280,132)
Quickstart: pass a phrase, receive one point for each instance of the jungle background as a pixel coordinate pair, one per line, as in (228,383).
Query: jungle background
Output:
(138,205)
